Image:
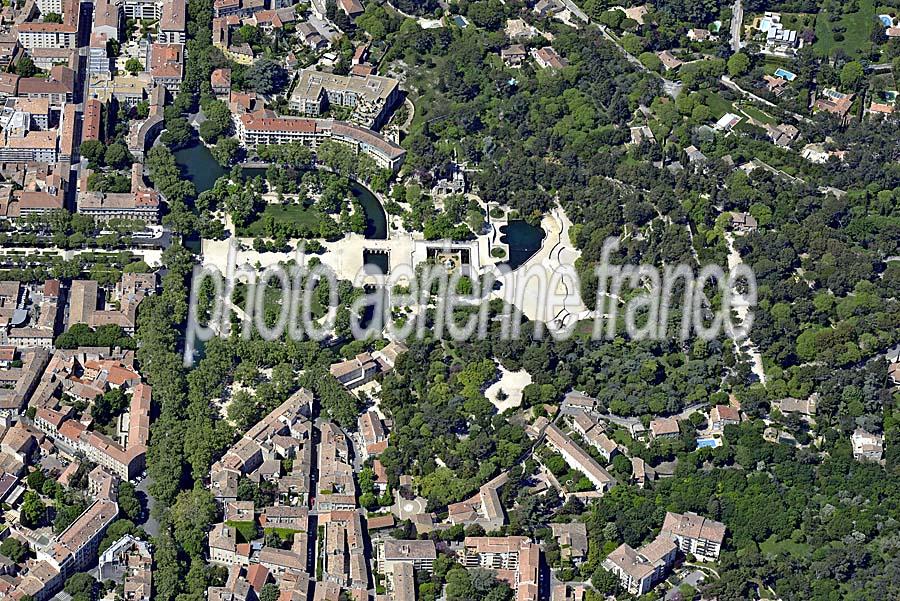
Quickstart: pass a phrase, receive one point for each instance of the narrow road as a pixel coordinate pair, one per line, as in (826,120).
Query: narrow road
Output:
(672,88)
(742,308)
(737,20)
(732,85)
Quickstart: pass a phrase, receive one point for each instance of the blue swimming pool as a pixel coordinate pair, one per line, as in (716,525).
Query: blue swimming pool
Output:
(785,74)
(886,20)
(707,443)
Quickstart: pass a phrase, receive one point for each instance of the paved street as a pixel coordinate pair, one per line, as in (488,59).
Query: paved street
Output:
(737,20)
(151,525)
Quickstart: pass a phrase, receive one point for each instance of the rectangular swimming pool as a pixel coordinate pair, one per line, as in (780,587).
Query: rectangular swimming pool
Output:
(707,443)
(785,74)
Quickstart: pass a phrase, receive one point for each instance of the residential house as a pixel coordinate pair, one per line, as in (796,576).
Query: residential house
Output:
(867,446)
(664,427)
(668,60)
(743,222)
(548,58)
(573,541)
(723,415)
(514,55)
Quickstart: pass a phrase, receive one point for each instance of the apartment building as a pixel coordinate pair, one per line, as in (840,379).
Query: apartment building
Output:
(91,128)
(69,125)
(50,6)
(40,581)
(280,561)
(47,35)
(371,97)
(99,448)
(639,570)
(401,581)
(337,488)
(76,547)
(224,548)
(102,485)
(343,558)
(578,459)
(58,87)
(173,23)
(167,66)
(420,553)
(694,534)
(108,19)
(140,10)
(83,307)
(38,34)
(514,559)
(262,128)
(386,154)
(220,81)
(37,110)
(18,384)
(22,145)
(124,458)
(140,205)
(288,517)
(263,442)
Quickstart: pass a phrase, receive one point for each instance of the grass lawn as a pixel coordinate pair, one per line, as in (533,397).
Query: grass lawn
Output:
(782,547)
(283,533)
(798,21)
(293,213)
(856,36)
(718,105)
(755,113)
(247,530)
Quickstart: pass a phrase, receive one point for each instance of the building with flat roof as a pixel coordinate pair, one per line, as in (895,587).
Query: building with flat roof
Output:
(420,553)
